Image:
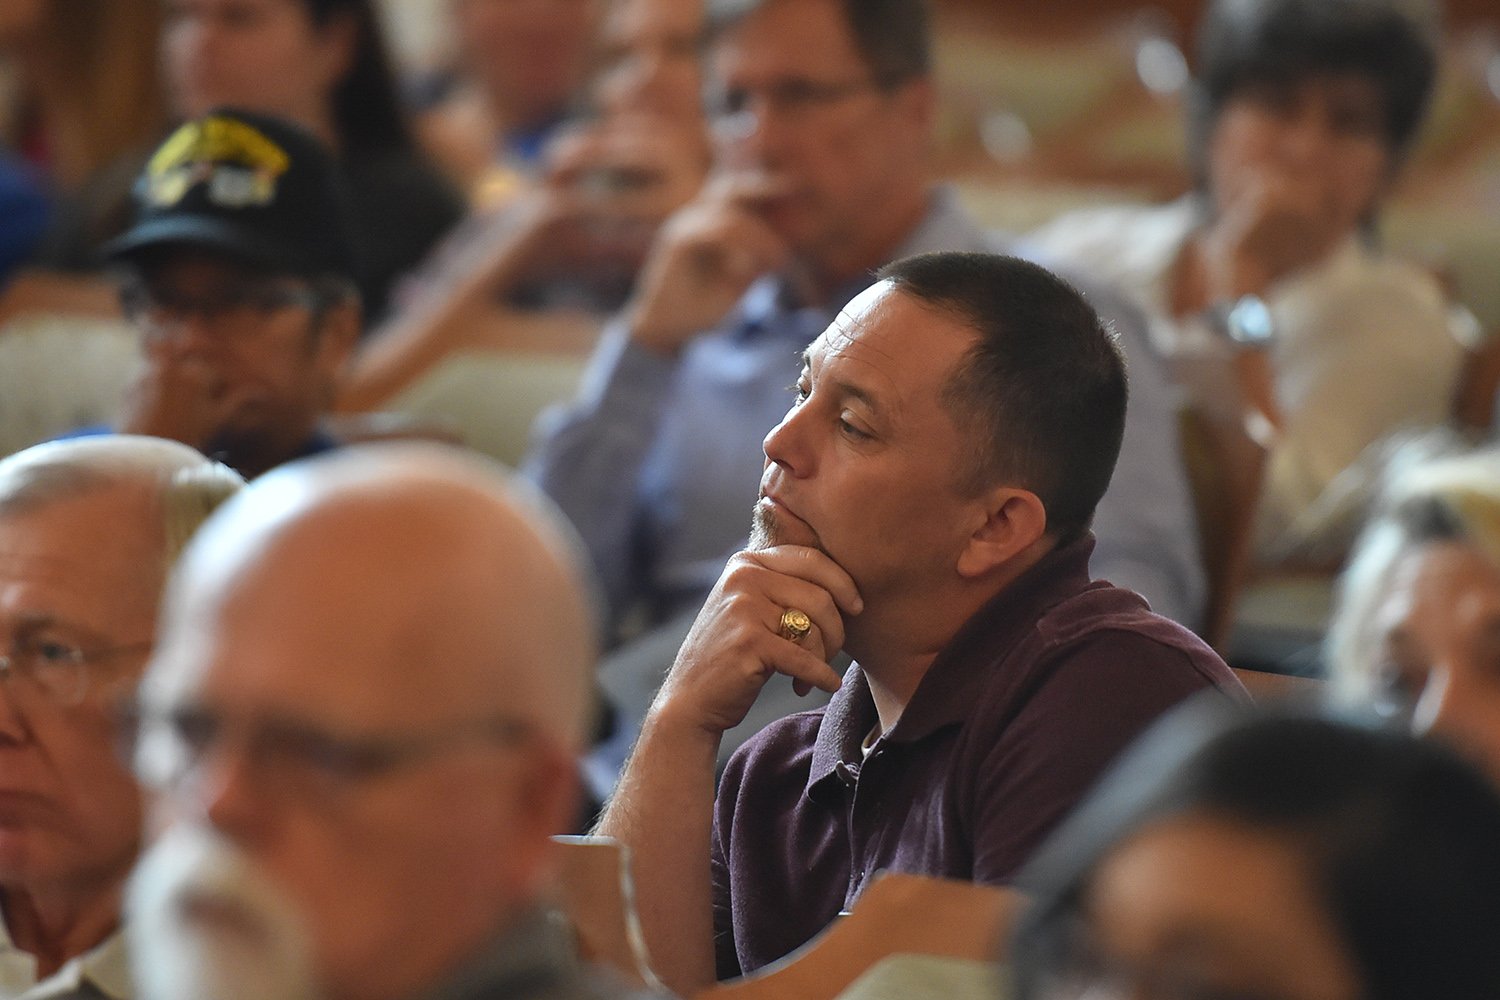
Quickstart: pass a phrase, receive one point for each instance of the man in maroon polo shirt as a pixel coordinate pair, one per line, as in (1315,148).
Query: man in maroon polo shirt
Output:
(925,507)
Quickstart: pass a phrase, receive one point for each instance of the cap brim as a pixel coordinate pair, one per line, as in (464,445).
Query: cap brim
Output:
(207,233)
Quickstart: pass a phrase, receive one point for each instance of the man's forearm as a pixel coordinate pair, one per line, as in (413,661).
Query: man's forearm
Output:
(587,456)
(663,812)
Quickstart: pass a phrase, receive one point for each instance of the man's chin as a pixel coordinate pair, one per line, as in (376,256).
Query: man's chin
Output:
(769,528)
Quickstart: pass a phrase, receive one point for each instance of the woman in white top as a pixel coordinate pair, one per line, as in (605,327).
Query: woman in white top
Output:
(1300,115)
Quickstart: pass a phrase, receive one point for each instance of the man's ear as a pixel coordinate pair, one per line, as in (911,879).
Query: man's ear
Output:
(545,803)
(1015,519)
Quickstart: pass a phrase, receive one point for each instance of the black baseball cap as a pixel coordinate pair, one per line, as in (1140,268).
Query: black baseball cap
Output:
(255,187)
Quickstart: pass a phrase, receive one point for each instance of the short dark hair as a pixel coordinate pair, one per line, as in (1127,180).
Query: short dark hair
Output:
(894,37)
(1042,393)
(1243,43)
(1398,837)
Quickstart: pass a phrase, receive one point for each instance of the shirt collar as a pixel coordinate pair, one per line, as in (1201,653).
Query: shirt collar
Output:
(106,967)
(951,689)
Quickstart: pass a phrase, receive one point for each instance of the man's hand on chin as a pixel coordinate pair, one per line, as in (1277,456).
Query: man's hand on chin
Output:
(180,396)
(739,639)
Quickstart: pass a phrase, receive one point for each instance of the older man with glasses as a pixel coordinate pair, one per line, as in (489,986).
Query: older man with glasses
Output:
(363,720)
(239,274)
(87,530)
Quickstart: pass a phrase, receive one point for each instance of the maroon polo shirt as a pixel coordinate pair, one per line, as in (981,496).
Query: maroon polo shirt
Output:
(1013,723)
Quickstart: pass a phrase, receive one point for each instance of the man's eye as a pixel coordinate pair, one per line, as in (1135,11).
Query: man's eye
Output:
(730,102)
(853,431)
(51,652)
(319,756)
(801,391)
(195,730)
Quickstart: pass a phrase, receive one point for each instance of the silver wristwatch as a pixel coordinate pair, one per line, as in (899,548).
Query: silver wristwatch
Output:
(1245,320)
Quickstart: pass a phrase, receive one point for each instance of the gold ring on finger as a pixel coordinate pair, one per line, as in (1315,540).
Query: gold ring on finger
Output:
(795,624)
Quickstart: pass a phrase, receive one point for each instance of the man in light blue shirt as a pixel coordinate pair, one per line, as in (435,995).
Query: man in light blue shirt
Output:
(822,110)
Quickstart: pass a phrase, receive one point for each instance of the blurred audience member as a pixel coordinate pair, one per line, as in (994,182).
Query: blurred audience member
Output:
(88,530)
(1301,114)
(92,106)
(323,65)
(579,236)
(822,112)
(363,721)
(238,275)
(1262,857)
(522,68)
(1417,630)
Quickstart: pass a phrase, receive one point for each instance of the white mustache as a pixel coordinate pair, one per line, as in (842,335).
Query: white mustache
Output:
(203,923)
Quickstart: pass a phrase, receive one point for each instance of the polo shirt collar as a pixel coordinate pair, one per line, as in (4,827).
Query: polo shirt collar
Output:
(952,687)
(106,967)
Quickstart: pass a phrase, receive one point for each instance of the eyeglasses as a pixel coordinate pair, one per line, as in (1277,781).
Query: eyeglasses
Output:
(793,100)
(240,306)
(57,668)
(294,758)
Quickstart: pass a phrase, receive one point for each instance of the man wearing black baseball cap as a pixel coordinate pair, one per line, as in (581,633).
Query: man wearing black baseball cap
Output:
(238,271)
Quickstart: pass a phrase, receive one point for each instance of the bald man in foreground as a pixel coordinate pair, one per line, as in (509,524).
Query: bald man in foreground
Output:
(363,718)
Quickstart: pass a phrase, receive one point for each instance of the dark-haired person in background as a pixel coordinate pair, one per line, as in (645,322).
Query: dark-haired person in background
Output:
(1300,116)
(924,507)
(1242,855)
(323,65)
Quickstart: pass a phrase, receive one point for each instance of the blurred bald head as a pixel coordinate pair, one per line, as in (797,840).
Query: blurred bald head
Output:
(411,623)
(468,577)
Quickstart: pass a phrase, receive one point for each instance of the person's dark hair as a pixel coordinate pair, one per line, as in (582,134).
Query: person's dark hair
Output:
(894,37)
(367,110)
(1244,43)
(1042,393)
(1398,836)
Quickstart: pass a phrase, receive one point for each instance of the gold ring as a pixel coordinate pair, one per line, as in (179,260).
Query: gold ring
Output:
(795,624)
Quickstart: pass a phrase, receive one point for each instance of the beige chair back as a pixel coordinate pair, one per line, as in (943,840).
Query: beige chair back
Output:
(897,914)
(594,892)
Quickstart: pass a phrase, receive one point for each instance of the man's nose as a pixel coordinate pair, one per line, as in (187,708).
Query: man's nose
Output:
(224,788)
(786,446)
(1307,135)
(13,728)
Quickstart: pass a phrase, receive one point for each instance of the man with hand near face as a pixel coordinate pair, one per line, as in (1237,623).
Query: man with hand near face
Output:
(88,530)
(239,276)
(925,506)
(822,113)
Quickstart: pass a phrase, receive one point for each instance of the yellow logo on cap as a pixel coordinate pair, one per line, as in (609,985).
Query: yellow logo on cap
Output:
(238,163)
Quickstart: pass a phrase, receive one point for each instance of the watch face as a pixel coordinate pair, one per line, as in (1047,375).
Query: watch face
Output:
(1249,322)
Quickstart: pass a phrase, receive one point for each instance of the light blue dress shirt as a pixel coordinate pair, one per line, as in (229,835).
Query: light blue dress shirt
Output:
(657,462)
